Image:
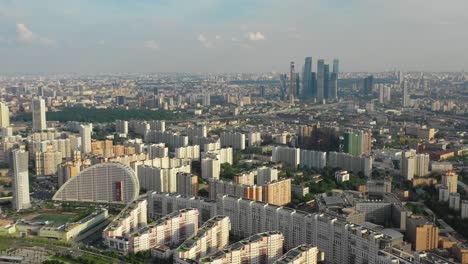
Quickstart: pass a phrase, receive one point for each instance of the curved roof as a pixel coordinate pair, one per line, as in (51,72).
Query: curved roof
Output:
(101,183)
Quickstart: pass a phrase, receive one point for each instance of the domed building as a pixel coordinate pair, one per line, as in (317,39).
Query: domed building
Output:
(113,183)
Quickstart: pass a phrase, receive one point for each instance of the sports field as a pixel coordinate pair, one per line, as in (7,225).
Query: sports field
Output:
(56,218)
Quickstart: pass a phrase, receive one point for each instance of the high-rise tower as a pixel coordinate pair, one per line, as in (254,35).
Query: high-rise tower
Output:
(326,80)
(292,91)
(336,66)
(21,198)
(85,134)
(306,78)
(406,97)
(320,79)
(38,114)
(4,116)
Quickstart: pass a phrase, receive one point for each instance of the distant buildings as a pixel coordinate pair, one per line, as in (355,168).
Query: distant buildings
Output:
(351,163)
(368,85)
(38,114)
(187,184)
(85,134)
(422,165)
(218,187)
(121,126)
(158,151)
(320,94)
(454,201)
(47,162)
(420,132)
(313,159)
(464,209)
(286,155)
(235,140)
(254,139)
(265,175)
(172,140)
(293,85)
(357,143)
(406,96)
(307,82)
(210,167)
(450,180)
(379,186)
(160,179)
(188,152)
(277,192)
(20,180)
(341,176)
(4,115)
(408,165)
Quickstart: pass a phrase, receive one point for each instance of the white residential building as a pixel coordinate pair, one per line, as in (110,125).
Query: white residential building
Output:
(254,139)
(303,254)
(444,194)
(235,140)
(341,176)
(158,151)
(172,140)
(159,179)
(260,248)
(211,237)
(4,115)
(454,201)
(286,155)
(313,159)
(266,174)
(464,209)
(85,134)
(121,126)
(210,167)
(188,152)
(20,185)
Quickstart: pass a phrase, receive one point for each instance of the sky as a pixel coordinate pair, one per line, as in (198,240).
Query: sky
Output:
(94,36)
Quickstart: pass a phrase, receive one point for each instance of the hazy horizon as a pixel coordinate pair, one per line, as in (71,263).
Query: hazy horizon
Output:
(203,36)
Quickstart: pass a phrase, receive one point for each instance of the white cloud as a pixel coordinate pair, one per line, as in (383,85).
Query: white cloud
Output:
(255,36)
(218,37)
(25,35)
(203,40)
(151,44)
(101,42)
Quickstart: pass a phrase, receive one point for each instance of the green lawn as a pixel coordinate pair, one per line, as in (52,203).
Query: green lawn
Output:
(4,245)
(56,218)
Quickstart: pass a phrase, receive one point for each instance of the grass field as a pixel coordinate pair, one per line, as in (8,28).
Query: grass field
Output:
(56,218)
(4,245)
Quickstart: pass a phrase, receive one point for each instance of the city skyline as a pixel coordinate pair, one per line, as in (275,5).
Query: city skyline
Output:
(226,36)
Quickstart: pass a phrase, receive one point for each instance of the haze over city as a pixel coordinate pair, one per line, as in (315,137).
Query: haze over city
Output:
(231,36)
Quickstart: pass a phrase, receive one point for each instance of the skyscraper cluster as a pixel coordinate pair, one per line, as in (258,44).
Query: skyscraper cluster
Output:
(321,85)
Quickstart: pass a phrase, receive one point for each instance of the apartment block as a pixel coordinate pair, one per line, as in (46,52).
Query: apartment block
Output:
(211,237)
